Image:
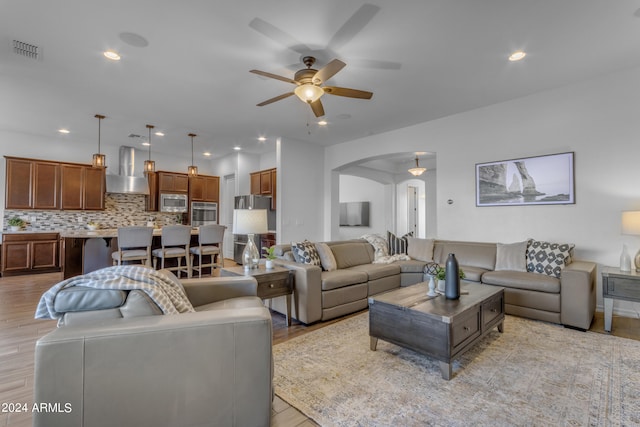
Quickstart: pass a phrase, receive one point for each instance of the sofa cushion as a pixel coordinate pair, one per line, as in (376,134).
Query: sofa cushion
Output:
(471,254)
(352,254)
(473,274)
(397,245)
(420,249)
(139,304)
(339,278)
(511,256)
(411,266)
(377,271)
(305,253)
(548,258)
(520,280)
(81,298)
(327,259)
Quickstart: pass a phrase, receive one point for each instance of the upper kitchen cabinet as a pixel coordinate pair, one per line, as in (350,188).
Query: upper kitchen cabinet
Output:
(81,187)
(152,198)
(31,184)
(263,183)
(203,188)
(43,184)
(171,182)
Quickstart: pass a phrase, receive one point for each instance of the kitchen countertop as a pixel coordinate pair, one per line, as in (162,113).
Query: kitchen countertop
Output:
(87,234)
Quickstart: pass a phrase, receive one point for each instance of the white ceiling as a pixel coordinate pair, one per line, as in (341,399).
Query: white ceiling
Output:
(422,59)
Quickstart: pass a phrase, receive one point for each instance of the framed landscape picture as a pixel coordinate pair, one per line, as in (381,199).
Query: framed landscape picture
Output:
(541,180)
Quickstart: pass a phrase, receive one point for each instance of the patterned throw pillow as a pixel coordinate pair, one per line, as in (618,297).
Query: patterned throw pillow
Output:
(548,258)
(380,245)
(397,245)
(305,253)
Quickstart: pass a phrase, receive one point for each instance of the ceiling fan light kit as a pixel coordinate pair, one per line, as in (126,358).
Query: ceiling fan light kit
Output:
(309,87)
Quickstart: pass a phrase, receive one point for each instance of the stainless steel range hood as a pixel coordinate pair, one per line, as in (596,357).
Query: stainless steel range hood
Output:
(127,181)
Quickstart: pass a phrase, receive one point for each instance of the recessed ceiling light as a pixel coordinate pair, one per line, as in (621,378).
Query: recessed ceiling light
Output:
(206,153)
(322,122)
(237,148)
(262,139)
(146,143)
(159,134)
(63,130)
(112,55)
(517,56)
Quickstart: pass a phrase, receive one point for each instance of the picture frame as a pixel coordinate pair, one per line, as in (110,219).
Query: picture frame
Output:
(539,180)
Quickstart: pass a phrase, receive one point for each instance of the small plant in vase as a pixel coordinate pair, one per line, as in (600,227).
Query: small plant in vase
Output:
(270,255)
(15,223)
(441,274)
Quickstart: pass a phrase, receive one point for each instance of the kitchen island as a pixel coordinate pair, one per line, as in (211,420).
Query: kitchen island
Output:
(84,251)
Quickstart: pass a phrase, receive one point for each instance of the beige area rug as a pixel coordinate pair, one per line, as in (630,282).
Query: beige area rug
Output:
(534,374)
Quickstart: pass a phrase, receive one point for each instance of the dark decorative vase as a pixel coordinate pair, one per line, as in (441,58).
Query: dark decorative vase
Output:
(452,278)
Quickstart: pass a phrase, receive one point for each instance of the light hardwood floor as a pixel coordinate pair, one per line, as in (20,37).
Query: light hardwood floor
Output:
(19,331)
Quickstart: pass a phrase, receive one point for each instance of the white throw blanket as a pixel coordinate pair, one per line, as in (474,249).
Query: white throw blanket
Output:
(381,253)
(158,285)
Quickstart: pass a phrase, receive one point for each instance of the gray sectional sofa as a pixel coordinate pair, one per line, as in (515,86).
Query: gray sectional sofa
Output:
(321,295)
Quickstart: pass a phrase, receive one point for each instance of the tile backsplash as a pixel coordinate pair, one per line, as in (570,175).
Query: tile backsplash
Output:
(120,210)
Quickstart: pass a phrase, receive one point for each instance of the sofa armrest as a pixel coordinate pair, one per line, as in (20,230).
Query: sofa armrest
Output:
(578,294)
(212,289)
(307,296)
(206,368)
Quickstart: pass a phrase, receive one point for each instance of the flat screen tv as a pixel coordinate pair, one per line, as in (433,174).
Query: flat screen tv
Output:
(354,214)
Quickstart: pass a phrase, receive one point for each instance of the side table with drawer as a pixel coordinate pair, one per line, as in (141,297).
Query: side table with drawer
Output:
(272,283)
(616,284)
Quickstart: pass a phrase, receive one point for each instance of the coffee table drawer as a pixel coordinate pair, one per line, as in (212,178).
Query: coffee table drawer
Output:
(492,309)
(466,328)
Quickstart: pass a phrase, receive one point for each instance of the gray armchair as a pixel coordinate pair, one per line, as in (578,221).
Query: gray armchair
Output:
(132,366)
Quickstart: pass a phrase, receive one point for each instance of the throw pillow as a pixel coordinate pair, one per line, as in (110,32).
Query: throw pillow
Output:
(327,259)
(379,243)
(420,249)
(305,253)
(511,256)
(397,245)
(548,258)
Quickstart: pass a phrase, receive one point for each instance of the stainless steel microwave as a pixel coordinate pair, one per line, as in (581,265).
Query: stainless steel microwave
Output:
(170,202)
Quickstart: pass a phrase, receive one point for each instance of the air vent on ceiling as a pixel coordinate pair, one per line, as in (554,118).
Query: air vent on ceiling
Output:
(27,50)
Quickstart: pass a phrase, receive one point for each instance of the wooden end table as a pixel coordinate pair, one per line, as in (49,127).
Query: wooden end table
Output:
(273,282)
(616,284)
(436,326)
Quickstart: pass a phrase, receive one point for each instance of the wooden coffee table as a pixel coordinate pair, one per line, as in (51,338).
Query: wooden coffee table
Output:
(436,326)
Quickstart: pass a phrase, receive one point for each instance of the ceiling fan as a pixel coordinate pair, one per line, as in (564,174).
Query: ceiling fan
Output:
(309,87)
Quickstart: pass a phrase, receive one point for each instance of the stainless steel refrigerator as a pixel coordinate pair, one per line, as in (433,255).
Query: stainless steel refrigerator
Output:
(252,202)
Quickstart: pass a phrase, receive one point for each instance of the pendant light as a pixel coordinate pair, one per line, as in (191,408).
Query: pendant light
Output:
(98,158)
(193,169)
(149,165)
(417,170)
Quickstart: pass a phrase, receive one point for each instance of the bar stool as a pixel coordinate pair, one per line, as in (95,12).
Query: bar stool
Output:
(209,244)
(175,241)
(134,244)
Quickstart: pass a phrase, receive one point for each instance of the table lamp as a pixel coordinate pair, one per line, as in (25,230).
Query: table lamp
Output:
(250,222)
(631,226)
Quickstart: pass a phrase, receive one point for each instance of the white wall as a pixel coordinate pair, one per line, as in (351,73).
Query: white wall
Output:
(299,191)
(598,120)
(356,189)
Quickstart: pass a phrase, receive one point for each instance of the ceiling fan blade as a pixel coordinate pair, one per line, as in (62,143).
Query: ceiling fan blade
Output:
(274,76)
(277,98)
(279,36)
(349,93)
(328,71)
(353,26)
(317,108)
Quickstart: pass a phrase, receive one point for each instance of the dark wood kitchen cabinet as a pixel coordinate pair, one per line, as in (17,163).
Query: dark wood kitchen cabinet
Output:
(203,188)
(29,253)
(31,184)
(81,187)
(171,182)
(152,198)
(43,184)
(263,183)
